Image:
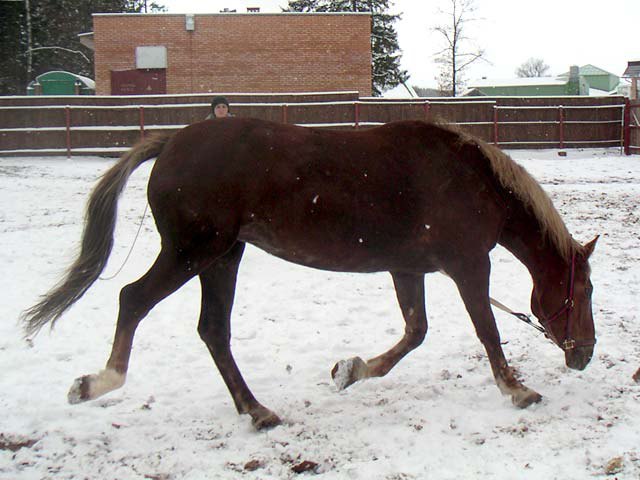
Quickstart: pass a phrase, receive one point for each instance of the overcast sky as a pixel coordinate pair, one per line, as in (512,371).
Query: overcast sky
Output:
(561,32)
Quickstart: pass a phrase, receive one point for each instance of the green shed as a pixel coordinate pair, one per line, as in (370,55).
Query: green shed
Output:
(597,78)
(61,83)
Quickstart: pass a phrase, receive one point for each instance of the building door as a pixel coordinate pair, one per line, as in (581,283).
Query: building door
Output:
(149,81)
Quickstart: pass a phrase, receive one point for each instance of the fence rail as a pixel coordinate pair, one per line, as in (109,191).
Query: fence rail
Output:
(535,122)
(561,122)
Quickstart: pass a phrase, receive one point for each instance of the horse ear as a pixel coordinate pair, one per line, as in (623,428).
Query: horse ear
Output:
(589,247)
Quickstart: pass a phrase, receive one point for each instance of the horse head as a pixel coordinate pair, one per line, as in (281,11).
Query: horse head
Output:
(562,303)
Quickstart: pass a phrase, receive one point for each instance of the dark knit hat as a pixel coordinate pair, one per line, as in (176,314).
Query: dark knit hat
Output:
(218,101)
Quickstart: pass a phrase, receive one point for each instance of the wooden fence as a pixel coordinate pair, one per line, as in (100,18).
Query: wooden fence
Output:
(632,130)
(109,125)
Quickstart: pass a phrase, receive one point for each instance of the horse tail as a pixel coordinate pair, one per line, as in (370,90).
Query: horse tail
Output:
(97,238)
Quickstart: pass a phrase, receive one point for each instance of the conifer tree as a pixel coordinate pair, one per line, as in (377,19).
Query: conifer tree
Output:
(45,37)
(385,49)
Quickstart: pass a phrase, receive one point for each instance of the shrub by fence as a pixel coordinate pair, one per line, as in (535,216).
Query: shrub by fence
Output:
(109,125)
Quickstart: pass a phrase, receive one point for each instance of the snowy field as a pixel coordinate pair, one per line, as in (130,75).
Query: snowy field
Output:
(437,415)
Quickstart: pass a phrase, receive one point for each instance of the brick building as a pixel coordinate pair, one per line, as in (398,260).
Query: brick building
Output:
(248,53)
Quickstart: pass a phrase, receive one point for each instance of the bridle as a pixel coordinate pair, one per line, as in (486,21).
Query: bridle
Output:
(569,343)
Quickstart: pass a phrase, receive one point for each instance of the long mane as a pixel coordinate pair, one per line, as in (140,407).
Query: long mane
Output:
(515,178)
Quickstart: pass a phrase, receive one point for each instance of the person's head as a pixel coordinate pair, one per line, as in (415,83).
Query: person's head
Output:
(220,107)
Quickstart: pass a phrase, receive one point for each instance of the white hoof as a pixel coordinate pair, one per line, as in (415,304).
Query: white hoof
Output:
(93,386)
(348,372)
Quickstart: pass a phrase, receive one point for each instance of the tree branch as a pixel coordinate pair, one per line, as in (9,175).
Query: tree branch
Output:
(60,48)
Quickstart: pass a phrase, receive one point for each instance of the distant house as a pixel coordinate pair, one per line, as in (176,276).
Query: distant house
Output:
(598,79)
(573,84)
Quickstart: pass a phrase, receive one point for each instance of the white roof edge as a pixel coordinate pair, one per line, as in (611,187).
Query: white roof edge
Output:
(89,82)
(200,94)
(244,14)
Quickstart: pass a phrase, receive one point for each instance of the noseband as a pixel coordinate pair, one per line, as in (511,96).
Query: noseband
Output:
(569,343)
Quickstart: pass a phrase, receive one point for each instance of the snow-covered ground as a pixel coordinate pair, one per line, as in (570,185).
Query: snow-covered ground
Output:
(437,415)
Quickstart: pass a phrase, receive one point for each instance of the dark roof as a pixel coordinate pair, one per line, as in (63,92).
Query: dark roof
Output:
(633,69)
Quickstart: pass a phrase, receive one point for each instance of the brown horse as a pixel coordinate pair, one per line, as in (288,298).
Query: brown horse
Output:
(409,198)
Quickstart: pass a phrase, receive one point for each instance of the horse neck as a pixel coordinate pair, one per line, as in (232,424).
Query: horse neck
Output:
(522,236)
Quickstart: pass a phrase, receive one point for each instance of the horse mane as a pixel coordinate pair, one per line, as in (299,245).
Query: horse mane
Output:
(515,178)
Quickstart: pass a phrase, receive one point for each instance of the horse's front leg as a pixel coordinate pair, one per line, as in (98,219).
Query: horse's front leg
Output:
(218,290)
(473,284)
(410,293)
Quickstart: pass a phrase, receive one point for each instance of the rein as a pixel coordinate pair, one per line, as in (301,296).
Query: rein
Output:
(568,343)
(520,316)
(133,244)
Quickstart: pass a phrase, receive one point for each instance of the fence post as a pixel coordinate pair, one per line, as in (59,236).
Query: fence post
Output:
(626,127)
(284,113)
(356,113)
(561,119)
(495,125)
(141,122)
(67,117)
(427,110)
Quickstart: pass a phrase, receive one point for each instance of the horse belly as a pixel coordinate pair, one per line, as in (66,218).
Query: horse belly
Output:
(362,247)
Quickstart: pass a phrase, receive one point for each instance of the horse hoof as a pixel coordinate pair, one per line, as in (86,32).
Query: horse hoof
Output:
(79,391)
(348,372)
(525,398)
(265,419)
(89,387)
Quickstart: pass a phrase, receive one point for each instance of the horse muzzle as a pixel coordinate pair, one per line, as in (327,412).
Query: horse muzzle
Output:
(579,357)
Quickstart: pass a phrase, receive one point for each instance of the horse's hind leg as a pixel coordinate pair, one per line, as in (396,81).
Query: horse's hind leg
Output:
(473,285)
(167,274)
(410,293)
(218,290)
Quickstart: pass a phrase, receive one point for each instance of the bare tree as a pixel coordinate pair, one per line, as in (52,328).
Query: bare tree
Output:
(454,58)
(534,67)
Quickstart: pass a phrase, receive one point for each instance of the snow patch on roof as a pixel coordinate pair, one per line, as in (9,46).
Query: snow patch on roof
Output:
(517,82)
(401,91)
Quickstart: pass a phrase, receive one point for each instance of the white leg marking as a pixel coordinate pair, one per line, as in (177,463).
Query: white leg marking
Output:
(522,396)
(504,388)
(104,382)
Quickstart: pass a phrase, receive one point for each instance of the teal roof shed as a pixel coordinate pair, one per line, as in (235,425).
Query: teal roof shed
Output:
(61,83)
